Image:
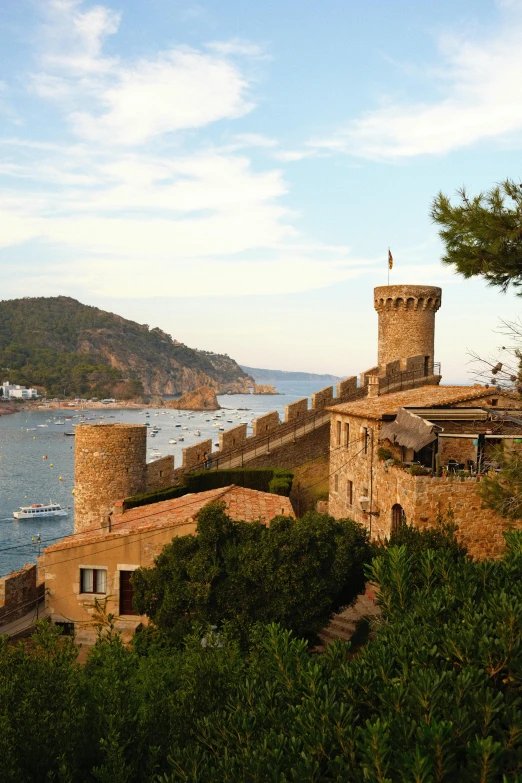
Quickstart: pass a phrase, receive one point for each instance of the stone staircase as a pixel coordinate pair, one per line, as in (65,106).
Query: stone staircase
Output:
(342,626)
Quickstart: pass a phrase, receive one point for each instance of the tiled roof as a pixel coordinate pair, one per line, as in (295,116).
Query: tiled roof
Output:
(424,396)
(241,503)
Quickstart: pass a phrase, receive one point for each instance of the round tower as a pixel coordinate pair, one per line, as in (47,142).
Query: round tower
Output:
(406,322)
(110,463)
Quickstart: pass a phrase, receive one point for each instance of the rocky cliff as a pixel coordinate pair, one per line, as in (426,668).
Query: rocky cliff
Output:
(202,399)
(59,343)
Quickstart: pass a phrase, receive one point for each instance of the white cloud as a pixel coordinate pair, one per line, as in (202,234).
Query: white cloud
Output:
(481,84)
(178,90)
(237,46)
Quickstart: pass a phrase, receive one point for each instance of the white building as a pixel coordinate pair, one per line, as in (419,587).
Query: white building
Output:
(16,391)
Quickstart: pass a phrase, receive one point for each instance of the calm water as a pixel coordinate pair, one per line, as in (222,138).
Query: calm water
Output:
(25,477)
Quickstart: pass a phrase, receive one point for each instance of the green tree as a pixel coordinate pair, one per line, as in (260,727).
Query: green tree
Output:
(295,572)
(483,234)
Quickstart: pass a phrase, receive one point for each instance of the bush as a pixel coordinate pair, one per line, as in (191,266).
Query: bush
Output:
(419,470)
(295,572)
(384,454)
(157,495)
(281,484)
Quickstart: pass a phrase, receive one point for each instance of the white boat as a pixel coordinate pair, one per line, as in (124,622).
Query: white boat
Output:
(172,440)
(155,456)
(197,433)
(38,510)
(41,425)
(59,422)
(181,438)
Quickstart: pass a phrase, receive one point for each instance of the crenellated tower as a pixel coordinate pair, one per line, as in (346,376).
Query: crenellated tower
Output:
(406,324)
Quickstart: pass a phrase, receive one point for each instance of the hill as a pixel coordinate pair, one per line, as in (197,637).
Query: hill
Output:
(61,345)
(272,376)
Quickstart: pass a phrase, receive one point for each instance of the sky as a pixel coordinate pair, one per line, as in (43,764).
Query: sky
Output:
(234,172)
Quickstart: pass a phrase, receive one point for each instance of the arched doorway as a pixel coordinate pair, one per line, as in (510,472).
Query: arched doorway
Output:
(398,517)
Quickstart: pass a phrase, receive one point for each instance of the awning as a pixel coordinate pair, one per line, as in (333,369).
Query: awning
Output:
(408,430)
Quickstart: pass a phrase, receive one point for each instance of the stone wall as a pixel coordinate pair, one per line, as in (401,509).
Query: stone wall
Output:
(290,455)
(160,473)
(322,398)
(296,410)
(392,368)
(110,463)
(19,593)
(416,364)
(422,498)
(265,424)
(347,387)
(234,438)
(406,321)
(193,456)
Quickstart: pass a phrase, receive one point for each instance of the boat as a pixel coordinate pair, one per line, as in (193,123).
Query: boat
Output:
(70,434)
(155,456)
(38,510)
(197,433)
(59,422)
(41,425)
(181,438)
(172,440)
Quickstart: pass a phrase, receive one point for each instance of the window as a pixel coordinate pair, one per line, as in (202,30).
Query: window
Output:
(338,433)
(366,436)
(494,402)
(336,483)
(346,434)
(349,492)
(93,580)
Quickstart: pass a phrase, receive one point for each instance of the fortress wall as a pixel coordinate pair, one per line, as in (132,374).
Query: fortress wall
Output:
(296,410)
(160,473)
(392,368)
(415,363)
(233,439)
(322,398)
(364,375)
(193,456)
(265,424)
(18,589)
(290,455)
(347,386)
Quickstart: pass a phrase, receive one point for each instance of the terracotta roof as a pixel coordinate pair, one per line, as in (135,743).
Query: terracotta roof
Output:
(423,396)
(241,503)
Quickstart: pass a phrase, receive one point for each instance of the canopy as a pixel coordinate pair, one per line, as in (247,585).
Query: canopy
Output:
(408,430)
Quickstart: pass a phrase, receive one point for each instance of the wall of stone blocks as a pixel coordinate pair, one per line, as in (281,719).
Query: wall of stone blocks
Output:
(459,449)
(193,456)
(392,368)
(415,363)
(322,398)
(160,473)
(110,463)
(290,455)
(296,410)
(347,387)
(18,593)
(233,439)
(265,424)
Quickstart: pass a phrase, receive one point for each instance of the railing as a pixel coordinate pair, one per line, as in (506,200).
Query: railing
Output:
(406,378)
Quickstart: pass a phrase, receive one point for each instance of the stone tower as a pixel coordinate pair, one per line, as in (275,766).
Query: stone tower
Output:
(110,463)
(406,323)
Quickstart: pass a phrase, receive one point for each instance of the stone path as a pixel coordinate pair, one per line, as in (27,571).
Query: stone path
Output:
(343,625)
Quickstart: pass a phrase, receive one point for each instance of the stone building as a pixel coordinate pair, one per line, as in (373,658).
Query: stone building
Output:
(98,563)
(407,456)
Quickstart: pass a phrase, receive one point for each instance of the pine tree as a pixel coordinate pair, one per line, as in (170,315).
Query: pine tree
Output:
(483,235)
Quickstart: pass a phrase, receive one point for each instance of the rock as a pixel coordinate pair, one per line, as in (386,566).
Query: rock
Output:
(264,389)
(201,399)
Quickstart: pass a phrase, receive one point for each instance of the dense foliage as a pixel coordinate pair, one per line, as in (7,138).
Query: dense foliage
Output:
(483,235)
(58,344)
(434,698)
(295,572)
(502,491)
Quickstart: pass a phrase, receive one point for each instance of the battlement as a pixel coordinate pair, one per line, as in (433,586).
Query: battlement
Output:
(407,297)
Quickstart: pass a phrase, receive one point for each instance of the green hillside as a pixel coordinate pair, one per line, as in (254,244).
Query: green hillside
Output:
(61,345)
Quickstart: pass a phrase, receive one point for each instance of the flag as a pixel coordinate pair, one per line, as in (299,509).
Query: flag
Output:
(390,259)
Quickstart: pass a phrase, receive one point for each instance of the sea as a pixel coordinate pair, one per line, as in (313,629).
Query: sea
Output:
(37,458)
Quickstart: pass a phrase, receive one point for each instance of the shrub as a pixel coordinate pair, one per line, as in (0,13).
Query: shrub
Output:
(384,454)
(419,470)
(295,572)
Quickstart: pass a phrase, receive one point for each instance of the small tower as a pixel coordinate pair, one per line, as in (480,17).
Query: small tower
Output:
(406,323)
(110,463)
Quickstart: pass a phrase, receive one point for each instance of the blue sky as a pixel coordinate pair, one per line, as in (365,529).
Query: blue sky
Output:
(235,172)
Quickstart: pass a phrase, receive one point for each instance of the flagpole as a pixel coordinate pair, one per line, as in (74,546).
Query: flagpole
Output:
(388,263)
